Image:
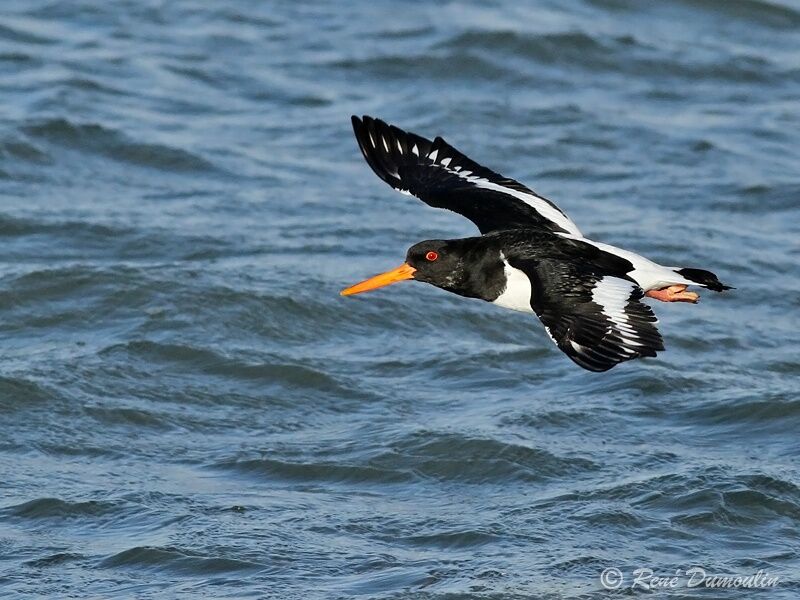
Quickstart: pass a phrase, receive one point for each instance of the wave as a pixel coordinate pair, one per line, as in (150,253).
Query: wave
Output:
(20,36)
(87,241)
(457,457)
(53,560)
(424,455)
(19,393)
(567,46)
(15,149)
(284,381)
(775,407)
(97,139)
(779,197)
(177,560)
(312,471)
(704,499)
(770,14)
(126,416)
(49,508)
(449,66)
(15,226)
(50,284)
(622,54)
(455,539)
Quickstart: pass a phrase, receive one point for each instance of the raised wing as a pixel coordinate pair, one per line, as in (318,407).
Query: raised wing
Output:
(443,177)
(597,320)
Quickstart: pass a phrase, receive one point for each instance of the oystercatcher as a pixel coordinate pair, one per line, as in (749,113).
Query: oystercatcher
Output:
(530,256)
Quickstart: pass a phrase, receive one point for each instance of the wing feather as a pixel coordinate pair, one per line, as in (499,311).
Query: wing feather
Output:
(442,177)
(597,320)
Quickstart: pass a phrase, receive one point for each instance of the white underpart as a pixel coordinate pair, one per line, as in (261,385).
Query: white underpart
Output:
(415,150)
(517,295)
(612,295)
(648,274)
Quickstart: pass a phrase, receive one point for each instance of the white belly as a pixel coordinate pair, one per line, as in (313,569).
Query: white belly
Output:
(517,295)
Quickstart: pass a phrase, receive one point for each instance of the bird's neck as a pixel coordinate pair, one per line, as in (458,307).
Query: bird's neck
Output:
(479,275)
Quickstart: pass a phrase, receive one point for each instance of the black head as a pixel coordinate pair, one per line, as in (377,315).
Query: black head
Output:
(439,262)
(462,266)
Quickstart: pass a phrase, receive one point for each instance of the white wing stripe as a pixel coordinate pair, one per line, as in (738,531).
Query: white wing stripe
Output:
(612,295)
(532,200)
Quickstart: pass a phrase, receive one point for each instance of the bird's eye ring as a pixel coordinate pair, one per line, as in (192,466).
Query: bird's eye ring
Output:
(432,256)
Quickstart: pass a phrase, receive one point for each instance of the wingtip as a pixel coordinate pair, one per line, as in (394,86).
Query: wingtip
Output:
(356,124)
(362,121)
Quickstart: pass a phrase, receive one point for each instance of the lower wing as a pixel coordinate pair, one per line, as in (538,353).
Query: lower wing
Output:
(597,320)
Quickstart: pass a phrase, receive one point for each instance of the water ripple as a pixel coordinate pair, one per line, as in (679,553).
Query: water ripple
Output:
(190,410)
(176,560)
(95,138)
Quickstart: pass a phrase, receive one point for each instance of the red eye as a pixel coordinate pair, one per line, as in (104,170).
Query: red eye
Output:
(432,256)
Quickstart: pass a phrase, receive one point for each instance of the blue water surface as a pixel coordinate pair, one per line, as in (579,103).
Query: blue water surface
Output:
(189,409)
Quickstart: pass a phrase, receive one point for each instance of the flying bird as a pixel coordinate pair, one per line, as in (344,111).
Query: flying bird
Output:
(529,257)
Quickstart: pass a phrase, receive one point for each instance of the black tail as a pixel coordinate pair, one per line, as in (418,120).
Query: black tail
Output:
(706,278)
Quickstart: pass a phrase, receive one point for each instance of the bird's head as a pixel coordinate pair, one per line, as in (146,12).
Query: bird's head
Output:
(438,262)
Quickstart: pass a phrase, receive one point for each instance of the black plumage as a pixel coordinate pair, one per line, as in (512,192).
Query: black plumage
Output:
(531,256)
(442,177)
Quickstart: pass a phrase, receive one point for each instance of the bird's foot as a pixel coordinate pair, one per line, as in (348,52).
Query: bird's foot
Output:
(674,293)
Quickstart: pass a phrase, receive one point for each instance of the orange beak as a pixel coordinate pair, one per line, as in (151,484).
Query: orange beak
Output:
(401,273)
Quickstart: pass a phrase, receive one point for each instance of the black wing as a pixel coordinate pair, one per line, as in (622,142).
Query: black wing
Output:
(442,177)
(597,320)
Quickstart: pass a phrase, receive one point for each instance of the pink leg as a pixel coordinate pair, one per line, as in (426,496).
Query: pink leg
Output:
(674,293)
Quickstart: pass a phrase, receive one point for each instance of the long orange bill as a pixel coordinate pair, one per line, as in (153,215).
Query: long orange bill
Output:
(401,273)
